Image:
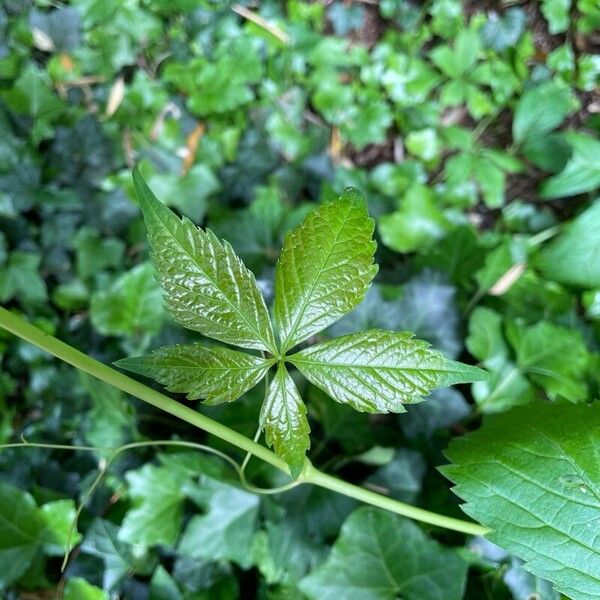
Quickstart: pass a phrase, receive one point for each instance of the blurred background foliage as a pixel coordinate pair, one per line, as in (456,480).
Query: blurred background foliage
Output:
(472,127)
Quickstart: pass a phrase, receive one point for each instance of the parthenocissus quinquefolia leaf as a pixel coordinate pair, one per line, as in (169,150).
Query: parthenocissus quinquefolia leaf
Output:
(324,271)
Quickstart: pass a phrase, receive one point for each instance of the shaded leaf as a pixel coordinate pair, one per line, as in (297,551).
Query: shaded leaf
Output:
(131,305)
(227,529)
(380,556)
(572,258)
(21,531)
(542,109)
(582,173)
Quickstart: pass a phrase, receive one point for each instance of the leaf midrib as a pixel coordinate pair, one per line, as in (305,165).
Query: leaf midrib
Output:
(289,341)
(267,344)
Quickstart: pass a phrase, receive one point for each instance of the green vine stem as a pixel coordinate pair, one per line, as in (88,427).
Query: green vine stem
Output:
(310,474)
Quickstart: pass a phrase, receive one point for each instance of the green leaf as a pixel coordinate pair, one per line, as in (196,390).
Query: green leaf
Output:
(227,529)
(21,533)
(503,31)
(325,268)
(380,556)
(188,193)
(531,475)
(283,418)
(454,62)
(417,225)
(163,586)
(212,373)
(20,278)
(131,305)
(206,286)
(95,253)
(79,589)
(557,13)
(572,258)
(102,542)
(59,517)
(32,95)
(508,385)
(554,357)
(402,477)
(424,144)
(582,173)
(542,109)
(426,306)
(443,408)
(379,371)
(157,497)
(111,420)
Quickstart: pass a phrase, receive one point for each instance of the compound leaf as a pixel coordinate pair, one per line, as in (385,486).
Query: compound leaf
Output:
(325,268)
(283,417)
(379,371)
(381,556)
(532,475)
(206,286)
(213,373)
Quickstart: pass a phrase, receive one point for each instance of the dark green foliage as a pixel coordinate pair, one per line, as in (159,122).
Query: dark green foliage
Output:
(471,130)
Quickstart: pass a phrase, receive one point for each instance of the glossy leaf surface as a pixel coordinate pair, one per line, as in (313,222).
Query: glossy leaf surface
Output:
(533,476)
(380,371)
(206,286)
(213,373)
(325,268)
(283,418)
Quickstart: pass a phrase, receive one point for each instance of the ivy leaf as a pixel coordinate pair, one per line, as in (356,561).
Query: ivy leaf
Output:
(58,517)
(541,351)
(542,109)
(582,173)
(20,277)
(283,418)
(32,95)
(503,31)
(536,486)
(557,13)
(325,268)
(380,556)
(21,533)
(227,529)
(212,373)
(206,286)
(78,588)
(418,223)
(572,258)
(101,541)
(131,305)
(379,371)
(156,516)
